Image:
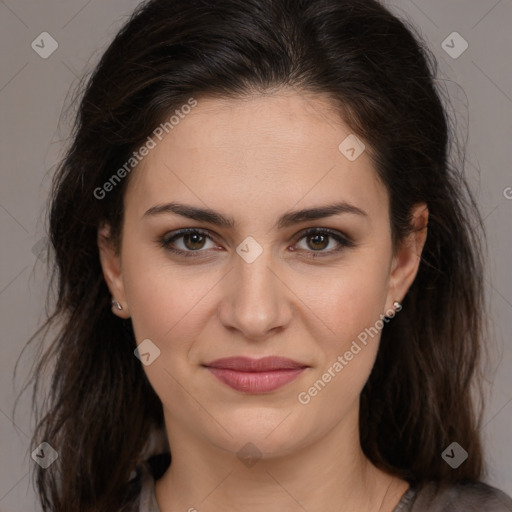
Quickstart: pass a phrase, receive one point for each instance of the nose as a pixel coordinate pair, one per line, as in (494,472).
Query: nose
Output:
(256,301)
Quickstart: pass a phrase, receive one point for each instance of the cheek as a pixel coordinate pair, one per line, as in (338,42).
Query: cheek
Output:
(350,305)
(166,303)
(169,306)
(346,300)
(351,308)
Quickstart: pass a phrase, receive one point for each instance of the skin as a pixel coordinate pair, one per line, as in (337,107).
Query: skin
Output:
(255,159)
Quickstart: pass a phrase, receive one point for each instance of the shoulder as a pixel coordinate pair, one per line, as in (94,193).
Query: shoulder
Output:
(460,497)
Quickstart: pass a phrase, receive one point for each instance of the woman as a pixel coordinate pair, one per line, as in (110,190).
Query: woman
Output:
(269,272)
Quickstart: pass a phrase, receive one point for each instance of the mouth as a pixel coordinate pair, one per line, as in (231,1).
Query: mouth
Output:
(255,376)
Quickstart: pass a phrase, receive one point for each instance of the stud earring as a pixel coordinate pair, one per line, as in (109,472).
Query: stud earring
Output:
(117,305)
(391,313)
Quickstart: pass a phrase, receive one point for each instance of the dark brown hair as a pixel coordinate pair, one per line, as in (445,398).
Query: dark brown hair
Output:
(380,75)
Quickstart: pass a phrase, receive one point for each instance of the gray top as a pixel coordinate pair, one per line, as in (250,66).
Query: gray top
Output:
(474,497)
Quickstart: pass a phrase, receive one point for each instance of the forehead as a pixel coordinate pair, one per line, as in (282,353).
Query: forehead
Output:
(277,149)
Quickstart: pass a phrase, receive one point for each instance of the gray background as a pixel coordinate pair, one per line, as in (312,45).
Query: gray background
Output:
(33,92)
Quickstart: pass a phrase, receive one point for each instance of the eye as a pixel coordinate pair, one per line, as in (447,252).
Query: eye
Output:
(193,240)
(318,239)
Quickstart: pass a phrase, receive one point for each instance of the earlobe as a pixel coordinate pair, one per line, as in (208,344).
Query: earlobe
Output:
(112,272)
(407,260)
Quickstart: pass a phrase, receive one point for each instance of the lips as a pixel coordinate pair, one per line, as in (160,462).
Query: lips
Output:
(247,364)
(255,375)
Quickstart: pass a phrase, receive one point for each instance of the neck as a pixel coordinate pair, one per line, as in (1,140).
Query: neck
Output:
(330,474)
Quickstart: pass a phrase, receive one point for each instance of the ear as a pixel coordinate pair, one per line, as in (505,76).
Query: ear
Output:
(111,265)
(407,259)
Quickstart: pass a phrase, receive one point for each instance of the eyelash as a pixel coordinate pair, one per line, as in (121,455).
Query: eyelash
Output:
(344,242)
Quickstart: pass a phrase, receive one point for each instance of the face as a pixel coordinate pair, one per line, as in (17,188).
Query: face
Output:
(259,284)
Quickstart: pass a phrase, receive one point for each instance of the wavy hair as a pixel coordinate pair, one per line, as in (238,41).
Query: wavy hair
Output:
(99,409)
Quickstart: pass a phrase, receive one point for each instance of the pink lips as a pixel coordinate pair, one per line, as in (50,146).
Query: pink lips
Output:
(256,375)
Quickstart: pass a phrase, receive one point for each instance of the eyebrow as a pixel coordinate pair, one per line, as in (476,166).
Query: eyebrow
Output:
(286,220)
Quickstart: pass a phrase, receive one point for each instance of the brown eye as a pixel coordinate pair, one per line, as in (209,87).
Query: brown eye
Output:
(186,242)
(318,241)
(193,241)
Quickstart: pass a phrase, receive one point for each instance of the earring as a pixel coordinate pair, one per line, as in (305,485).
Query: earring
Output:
(117,305)
(396,308)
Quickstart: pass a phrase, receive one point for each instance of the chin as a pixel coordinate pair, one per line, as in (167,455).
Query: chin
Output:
(268,437)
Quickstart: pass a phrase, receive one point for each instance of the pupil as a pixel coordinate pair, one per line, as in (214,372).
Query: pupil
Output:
(313,237)
(195,238)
